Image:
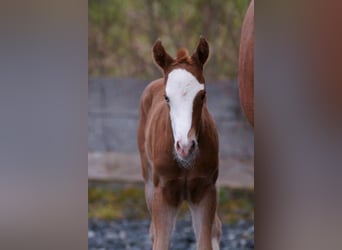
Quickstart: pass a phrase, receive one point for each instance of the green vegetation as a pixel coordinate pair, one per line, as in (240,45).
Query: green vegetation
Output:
(106,203)
(122,33)
(128,202)
(236,204)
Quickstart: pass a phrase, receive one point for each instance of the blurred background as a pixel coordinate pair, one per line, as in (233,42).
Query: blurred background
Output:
(120,37)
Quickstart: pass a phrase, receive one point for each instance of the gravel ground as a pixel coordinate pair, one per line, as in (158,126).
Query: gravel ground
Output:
(133,235)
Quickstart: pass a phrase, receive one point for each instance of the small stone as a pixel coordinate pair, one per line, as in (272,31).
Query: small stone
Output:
(91,234)
(110,235)
(231,236)
(243,242)
(122,235)
(251,229)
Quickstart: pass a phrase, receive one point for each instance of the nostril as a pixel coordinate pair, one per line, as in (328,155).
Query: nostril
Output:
(193,144)
(177,145)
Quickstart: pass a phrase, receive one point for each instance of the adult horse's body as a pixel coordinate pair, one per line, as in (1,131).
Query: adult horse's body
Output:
(246,64)
(178,146)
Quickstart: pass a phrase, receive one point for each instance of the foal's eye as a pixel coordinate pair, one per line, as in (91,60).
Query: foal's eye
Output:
(167,99)
(203,96)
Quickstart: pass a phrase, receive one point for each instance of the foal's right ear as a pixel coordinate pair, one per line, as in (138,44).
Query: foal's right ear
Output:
(161,57)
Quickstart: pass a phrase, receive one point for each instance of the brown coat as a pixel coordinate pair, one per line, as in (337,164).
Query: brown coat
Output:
(246,64)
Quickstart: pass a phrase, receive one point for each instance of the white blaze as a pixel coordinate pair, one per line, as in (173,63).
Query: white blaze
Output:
(181,89)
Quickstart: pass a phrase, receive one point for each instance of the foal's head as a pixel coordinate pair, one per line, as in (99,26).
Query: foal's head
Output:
(184,95)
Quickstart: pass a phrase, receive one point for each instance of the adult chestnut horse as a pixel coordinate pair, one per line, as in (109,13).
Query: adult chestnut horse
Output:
(178,146)
(246,64)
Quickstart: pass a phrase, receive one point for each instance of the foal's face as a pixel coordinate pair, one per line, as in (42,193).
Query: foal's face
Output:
(185,95)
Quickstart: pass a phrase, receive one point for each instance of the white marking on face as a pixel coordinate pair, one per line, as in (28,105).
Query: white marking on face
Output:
(181,89)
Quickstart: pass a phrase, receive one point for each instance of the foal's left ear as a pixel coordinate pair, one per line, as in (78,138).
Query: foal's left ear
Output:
(202,51)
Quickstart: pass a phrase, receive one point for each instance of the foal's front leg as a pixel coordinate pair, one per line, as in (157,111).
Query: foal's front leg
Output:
(164,215)
(206,223)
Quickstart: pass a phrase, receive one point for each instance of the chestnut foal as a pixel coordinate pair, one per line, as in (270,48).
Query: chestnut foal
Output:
(178,146)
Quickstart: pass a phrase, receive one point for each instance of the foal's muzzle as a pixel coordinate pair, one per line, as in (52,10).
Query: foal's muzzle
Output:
(184,149)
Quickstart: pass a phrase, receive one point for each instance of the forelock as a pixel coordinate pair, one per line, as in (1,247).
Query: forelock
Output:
(183,57)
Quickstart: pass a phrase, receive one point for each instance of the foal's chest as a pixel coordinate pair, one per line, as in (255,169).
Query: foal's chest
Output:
(185,188)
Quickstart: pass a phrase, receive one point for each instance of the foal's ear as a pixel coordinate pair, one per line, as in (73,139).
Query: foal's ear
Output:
(202,52)
(161,57)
